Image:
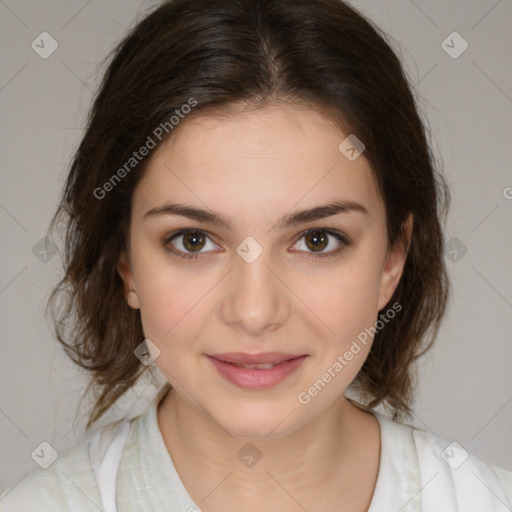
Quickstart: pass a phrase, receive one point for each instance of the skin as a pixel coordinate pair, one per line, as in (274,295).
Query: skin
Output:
(253,168)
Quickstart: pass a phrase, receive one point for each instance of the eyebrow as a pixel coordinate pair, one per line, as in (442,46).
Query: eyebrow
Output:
(299,217)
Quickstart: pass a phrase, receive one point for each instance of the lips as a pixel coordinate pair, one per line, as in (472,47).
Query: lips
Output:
(256,371)
(260,366)
(241,358)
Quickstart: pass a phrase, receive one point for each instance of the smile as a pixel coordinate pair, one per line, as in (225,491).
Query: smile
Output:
(258,373)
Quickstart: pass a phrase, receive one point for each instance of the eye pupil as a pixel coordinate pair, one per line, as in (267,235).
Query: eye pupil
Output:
(197,241)
(317,237)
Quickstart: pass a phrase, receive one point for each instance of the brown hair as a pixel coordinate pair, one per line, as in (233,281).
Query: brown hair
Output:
(224,54)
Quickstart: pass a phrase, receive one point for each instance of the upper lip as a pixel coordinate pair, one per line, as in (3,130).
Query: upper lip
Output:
(265,357)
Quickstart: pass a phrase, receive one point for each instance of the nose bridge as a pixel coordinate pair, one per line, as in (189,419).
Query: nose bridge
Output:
(256,300)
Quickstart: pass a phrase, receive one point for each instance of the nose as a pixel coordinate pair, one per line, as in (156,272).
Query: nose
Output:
(256,300)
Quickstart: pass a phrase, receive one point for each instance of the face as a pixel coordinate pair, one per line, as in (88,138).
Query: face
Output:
(250,280)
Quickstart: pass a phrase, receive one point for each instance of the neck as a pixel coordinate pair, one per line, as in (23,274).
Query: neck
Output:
(323,452)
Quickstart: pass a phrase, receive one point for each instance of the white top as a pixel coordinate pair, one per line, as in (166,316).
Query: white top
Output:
(418,472)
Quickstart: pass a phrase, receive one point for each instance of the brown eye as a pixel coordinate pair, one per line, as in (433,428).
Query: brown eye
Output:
(189,243)
(316,241)
(193,241)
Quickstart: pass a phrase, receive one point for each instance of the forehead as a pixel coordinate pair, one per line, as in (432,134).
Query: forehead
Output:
(268,159)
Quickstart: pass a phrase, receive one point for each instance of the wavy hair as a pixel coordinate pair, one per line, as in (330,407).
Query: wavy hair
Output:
(226,54)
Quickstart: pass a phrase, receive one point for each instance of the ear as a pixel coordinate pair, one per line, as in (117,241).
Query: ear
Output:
(125,271)
(394,264)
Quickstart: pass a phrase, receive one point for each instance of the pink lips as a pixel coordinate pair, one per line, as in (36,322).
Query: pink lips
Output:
(256,378)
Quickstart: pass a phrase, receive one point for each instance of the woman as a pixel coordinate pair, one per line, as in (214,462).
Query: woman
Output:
(254,209)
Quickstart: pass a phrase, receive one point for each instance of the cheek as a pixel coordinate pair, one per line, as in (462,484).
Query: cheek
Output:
(350,310)
(172,315)
(172,300)
(346,298)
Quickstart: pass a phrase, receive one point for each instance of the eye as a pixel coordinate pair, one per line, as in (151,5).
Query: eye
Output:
(189,243)
(317,240)
(192,241)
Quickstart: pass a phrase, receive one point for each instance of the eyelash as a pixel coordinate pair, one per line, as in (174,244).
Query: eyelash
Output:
(166,243)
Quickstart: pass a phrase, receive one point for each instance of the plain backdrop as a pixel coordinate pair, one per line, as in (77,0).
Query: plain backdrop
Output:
(465,383)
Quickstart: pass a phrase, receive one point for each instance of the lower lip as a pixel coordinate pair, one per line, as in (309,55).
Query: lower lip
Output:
(254,378)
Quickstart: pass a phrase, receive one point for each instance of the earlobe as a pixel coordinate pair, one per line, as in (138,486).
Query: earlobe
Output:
(133,299)
(124,270)
(395,262)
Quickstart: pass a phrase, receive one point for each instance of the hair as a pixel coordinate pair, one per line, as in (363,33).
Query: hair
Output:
(228,55)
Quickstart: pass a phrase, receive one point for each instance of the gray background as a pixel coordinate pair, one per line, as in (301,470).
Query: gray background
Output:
(465,382)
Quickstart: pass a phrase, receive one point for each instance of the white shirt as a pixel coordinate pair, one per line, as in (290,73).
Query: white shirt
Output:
(413,475)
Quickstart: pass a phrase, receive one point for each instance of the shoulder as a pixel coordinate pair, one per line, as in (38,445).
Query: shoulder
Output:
(451,474)
(70,482)
(445,473)
(505,478)
(65,485)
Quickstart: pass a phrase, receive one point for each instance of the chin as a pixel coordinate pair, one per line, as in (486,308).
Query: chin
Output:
(259,422)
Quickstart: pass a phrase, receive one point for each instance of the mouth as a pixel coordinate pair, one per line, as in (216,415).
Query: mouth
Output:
(241,358)
(260,366)
(256,371)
